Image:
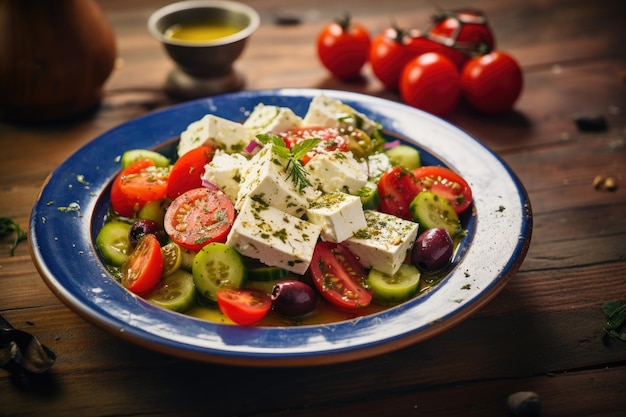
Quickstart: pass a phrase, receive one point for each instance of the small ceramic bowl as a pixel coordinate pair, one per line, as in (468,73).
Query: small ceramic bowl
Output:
(204,66)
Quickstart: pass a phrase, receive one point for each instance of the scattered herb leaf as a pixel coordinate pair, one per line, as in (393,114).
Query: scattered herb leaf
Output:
(8,226)
(615,315)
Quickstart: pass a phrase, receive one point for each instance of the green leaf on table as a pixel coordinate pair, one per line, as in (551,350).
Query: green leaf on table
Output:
(8,226)
(615,318)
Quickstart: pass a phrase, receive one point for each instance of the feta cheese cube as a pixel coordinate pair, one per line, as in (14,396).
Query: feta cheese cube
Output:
(266,179)
(271,119)
(339,215)
(275,238)
(212,130)
(224,171)
(326,111)
(384,243)
(376,165)
(336,171)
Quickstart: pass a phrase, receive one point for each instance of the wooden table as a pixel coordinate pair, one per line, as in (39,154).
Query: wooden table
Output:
(542,333)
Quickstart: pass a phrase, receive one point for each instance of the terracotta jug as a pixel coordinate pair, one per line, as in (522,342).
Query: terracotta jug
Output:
(55,56)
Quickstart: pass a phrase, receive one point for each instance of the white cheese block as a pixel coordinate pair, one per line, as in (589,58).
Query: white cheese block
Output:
(271,119)
(212,130)
(275,238)
(336,171)
(376,165)
(339,215)
(266,178)
(326,111)
(384,243)
(224,171)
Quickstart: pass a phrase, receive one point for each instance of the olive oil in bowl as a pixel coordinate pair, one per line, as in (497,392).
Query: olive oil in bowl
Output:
(201,32)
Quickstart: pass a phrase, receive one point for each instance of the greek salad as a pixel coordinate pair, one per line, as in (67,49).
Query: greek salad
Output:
(282,219)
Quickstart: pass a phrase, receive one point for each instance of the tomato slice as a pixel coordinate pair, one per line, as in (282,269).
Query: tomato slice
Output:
(119,202)
(339,276)
(396,189)
(186,173)
(331,140)
(143,183)
(244,306)
(142,270)
(199,217)
(445,183)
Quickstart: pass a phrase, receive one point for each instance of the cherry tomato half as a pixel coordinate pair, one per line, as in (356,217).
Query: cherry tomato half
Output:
(396,189)
(339,276)
(142,182)
(431,82)
(244,306)
(186,173)
(143,268)
(119,202)
(445,183)
(199,217)
(492,83)
(331,139)
(343,47)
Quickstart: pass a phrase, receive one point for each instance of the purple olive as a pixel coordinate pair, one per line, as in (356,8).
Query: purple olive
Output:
(432,250)
(144,227)
(293,298)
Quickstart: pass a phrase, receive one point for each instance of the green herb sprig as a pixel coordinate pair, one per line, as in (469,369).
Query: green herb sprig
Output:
(8,226)
(294,168)
(615,314)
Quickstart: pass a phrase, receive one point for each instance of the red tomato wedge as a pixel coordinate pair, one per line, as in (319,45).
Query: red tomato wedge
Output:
(142,270)
(186,173)
(143,183)
(396,189)
(199,217)
(244,306)
(120,203)
(339,276)
(445,183)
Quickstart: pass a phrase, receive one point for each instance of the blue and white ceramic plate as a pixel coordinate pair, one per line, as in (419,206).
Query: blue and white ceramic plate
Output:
(73,203)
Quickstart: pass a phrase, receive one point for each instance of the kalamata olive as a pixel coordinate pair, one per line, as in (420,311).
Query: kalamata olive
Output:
(432,250)
(293,298)
(144,227)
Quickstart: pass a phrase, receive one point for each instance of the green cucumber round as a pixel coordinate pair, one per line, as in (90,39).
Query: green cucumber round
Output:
(217,265)
(174,292)
(430,210)
(394,288)
(134,155)
(112,242)
(405,156)
(369,196)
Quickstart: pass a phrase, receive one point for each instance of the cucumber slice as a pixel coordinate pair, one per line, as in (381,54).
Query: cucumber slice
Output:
(430,210)
(187,259)
(172,258)
(394,288)
(217,265)
(133,155)
(267,273)
(404,155)
(154,210)
(369,196)
(175,292)
(112,242)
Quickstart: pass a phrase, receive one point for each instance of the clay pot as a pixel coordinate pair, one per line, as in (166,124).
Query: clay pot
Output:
(55,56)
